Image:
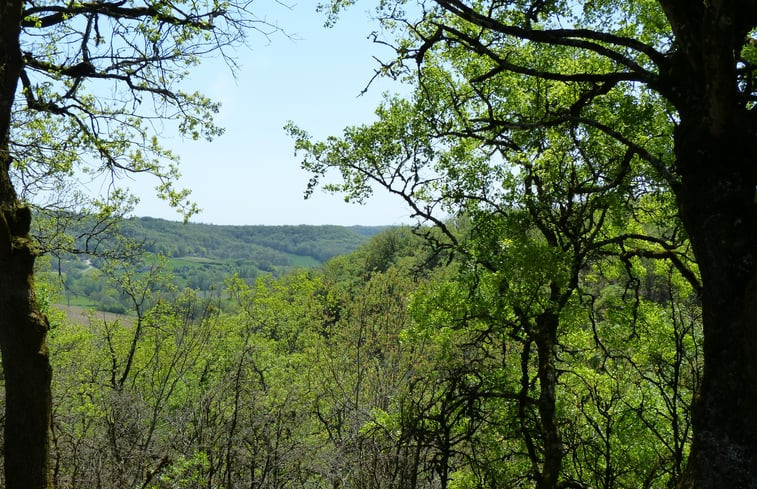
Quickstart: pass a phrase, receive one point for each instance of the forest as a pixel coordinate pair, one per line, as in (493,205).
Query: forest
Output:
(198,256)
(400,364)
(574,307)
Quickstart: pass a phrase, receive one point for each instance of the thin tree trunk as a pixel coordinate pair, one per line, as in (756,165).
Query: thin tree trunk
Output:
(546,342)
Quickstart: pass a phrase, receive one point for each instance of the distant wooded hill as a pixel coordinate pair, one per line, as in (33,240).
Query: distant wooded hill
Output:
(267,245)
(202,256)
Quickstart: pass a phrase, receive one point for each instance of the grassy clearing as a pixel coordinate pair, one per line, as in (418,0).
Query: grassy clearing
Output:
(85,315)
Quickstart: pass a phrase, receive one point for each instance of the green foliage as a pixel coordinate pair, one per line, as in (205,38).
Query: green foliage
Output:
(544,331)
(94,80)
(386,367)
(546,144)
(270,245)
(198,256)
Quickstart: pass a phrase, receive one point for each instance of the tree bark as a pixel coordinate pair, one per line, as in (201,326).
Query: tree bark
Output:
(715,147)
(26,369)
(546,344)
(23,329)
(717,203)
(716,199)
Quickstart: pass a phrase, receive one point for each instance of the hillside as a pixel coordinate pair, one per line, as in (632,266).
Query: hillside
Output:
(201,256)
(266,245)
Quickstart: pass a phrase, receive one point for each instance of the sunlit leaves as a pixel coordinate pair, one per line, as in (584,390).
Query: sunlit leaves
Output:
(100,81)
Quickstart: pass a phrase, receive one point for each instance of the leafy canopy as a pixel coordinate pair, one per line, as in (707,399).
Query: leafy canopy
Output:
(100,82)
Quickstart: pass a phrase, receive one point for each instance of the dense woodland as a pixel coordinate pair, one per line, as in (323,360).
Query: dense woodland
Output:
(399,365)
(576,307)
(198,256)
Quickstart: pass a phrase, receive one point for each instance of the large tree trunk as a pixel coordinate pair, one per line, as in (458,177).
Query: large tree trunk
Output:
(717,202)
(715,149)
(23,328)
(25,364)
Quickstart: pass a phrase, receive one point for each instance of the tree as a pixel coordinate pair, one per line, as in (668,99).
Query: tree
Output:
(78,81)
(127,391)
(667,88)
(528,239)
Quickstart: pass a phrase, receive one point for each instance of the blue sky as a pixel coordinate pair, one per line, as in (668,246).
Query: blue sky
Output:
(250,174)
